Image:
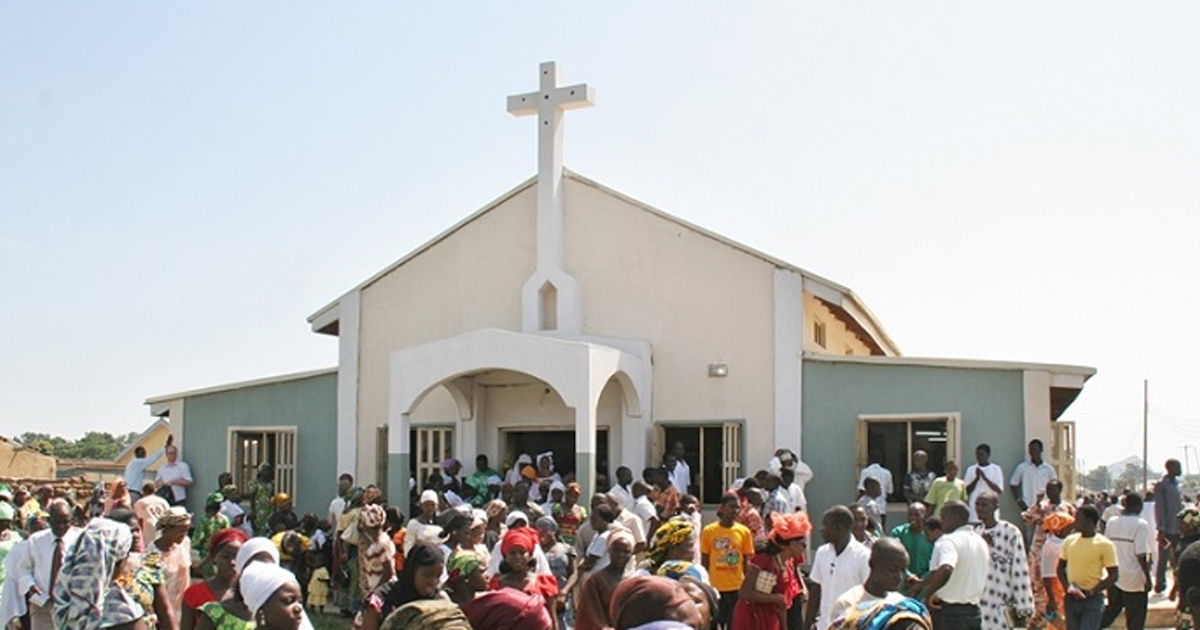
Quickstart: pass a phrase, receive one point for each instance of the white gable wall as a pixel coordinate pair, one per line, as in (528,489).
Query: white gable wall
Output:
(467,281)
(695,299)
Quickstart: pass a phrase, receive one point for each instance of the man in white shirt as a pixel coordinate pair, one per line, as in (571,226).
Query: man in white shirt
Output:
(839,565)
(875,469)
(39,568)
(889,567)
(796,477)
(1131,535)
(1029,481)
(644,509)
(981,477)
(630,521)
(338,504)
(958,571)
(622,491)
(176,475)
(135,470)
(681,474)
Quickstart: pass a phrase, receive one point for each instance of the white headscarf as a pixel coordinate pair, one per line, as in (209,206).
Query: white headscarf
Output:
(259,582)
(252,548)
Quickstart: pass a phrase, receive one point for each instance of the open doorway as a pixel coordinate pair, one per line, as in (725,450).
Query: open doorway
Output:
(559,442)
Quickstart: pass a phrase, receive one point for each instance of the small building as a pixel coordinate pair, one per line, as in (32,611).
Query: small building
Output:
(19,461)
(285,420)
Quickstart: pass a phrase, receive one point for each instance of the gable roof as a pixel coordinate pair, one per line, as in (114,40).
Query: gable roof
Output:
(841,299)
(141,439)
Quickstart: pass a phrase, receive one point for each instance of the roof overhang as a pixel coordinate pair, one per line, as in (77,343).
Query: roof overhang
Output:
(161,405)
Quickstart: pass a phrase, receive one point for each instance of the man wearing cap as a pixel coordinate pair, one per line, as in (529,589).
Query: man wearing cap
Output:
(36,573)
(175,475)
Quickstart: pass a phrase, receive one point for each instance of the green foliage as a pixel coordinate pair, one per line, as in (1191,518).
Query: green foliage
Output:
(93,445)
(1098,479)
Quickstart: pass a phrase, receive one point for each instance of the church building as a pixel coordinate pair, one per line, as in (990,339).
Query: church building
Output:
(568,317)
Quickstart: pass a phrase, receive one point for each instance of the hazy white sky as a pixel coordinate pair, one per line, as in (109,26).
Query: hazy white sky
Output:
(182,184)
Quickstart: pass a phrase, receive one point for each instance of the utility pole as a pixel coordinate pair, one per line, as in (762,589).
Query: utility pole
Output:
(1145,435)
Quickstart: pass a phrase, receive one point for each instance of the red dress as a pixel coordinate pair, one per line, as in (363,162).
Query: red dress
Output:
(543,584)
(766,616)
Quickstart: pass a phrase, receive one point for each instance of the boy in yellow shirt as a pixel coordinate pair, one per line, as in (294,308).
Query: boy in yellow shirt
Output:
(1088,566)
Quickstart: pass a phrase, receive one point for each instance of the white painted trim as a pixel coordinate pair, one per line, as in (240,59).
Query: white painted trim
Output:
(323,318)
(268,380)
(138,442)
(1082,372)
(789,348)
(349,311)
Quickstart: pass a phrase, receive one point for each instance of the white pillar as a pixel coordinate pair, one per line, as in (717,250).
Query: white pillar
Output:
(585,448)
(347,386)
(789,339)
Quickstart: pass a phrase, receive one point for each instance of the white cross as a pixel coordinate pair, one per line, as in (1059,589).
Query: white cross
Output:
(548,103)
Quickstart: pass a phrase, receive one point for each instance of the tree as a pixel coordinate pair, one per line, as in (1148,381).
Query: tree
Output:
(93,445)
(1130,478)
(1098,479)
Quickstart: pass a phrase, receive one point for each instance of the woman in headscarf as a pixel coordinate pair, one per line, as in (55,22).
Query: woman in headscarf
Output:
(464,576)
(569,514)
(424,527)
(262,492)
(166,567)
(427,615)
(771,583)
(223,548)
(596,597)
(209,524)
(376,552)
(86,594)
(272,595)
(98,501)
(118,496)
(561,558)
(233,613)
(1056,527)
(508,609)
(517,569)
(514,474)
(1052,503)
(646,599)
(423,567)
(906,614)
(673,550)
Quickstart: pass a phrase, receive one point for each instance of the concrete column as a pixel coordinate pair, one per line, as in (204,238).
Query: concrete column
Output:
(399,456)
(789,339)
(585,448)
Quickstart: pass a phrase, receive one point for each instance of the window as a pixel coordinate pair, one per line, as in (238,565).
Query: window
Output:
(895,437)
(714,452)
(428,446)
(1061,454)
(251,447)
(819,333)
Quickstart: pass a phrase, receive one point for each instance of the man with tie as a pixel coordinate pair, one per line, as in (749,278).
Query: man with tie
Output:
(39,568)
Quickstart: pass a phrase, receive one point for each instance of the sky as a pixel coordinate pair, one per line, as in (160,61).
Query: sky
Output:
(182,184)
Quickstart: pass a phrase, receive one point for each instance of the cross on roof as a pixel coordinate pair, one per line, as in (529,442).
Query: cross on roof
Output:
(548,103)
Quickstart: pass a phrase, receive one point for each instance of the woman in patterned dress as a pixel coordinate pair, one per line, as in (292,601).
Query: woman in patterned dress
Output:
(1052,503)
(377,552)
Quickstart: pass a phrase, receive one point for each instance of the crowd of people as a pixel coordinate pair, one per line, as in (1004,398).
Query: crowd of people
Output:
(524,549)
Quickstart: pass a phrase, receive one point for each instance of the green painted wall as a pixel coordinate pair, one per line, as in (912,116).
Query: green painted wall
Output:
(991,403)
(309,404)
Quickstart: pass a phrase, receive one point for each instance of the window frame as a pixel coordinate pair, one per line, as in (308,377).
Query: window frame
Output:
(953,422)
(286,479)
(728,477)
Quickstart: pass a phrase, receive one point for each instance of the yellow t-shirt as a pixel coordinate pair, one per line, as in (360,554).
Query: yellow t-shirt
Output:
(727,549)
(1087,559)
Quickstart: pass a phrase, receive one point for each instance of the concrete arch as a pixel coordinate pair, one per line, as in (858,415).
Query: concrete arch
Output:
(578,371)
